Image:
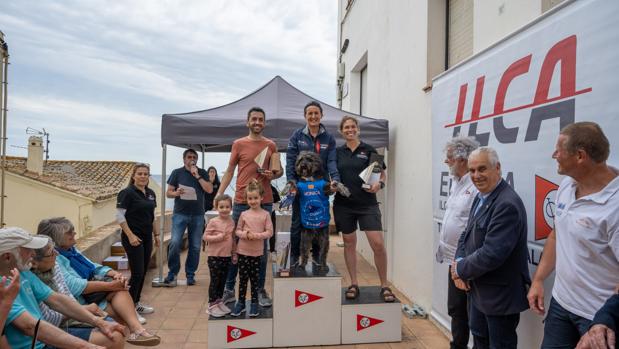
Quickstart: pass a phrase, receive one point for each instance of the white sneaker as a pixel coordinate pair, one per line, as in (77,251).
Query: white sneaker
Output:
(224,308)
(215,311)
(141,319)
(142,308)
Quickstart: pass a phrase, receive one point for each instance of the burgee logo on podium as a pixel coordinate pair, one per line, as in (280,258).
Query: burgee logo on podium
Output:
(303,298)
(236,333)
(364,322)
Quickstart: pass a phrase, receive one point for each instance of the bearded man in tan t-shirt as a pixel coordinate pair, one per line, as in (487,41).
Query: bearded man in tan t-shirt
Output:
(244,152)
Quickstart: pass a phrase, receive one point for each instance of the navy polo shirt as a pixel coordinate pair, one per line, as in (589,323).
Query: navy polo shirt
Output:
(140,208)
(188,207)
(350,164)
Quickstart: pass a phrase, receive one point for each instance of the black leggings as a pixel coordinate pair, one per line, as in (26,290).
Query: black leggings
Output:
(218,267)
(139,258)
(272,238)
(249,269)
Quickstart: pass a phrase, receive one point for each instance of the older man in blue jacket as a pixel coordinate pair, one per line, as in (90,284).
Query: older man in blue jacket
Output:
(491,259)
(312,137)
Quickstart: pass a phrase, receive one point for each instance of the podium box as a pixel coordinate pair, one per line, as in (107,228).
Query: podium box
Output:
(368,319)
(307,307)
(241,332)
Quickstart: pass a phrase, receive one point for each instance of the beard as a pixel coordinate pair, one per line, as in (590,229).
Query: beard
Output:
(452,171)
(20,265)
(256,130)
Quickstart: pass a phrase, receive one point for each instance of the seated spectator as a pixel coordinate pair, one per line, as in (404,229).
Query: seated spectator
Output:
(602,333)
(90,282)
(9,288)
(52,274)
(23,327)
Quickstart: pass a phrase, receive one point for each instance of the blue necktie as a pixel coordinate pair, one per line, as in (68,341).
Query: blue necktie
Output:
(480,203)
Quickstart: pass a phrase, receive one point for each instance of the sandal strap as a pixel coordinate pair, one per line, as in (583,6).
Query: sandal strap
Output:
(352,290)
(386,292)
(143,333)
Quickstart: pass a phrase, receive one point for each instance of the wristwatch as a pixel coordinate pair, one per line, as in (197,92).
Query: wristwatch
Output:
(382,185)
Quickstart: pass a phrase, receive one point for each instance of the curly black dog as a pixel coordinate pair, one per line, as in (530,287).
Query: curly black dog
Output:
(313,191)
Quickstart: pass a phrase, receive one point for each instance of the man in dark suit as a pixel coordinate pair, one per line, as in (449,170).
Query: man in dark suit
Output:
(491,259)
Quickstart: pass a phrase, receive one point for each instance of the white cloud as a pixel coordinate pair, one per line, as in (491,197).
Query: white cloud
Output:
(98,74)
(164,44)
(70,111)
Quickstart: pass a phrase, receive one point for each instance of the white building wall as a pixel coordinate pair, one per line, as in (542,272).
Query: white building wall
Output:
(28,202)
(391,37)
(493,20)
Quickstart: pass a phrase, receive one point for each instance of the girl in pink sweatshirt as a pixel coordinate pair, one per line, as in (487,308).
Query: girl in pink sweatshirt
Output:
(253,227)
(218,234)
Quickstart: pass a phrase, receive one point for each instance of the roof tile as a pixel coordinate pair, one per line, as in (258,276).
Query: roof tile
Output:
(99,180)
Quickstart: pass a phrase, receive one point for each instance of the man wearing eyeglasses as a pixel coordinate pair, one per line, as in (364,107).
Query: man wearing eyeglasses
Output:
(187,186)
(23,327)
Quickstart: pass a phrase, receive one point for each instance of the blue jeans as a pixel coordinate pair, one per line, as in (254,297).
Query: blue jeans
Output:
(237,209)
(562,329)
(493,331)
(195,227)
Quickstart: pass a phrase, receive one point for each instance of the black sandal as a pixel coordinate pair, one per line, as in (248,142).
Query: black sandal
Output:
(352,292)
(387,295)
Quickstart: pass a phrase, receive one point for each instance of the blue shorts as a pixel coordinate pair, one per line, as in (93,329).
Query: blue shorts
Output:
(80,332)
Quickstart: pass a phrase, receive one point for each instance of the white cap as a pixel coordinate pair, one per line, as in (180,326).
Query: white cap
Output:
(12,237)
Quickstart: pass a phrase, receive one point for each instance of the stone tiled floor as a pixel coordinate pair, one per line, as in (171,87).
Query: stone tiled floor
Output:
(181,320)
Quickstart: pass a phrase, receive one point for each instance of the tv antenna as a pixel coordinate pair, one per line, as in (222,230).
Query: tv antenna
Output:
(45,134)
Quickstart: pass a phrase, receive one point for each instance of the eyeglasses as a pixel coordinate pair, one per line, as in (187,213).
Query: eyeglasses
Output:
(51,254)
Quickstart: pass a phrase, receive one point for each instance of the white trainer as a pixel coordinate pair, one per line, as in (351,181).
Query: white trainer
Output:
(224,308)
(142,308)
(215,311)
(141,319)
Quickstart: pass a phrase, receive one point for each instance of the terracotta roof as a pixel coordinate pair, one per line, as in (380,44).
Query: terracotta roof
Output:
(98,180)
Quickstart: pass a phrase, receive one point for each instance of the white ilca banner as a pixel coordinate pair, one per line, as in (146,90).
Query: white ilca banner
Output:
(515,97)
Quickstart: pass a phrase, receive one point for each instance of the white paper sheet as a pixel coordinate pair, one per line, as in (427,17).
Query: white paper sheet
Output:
(189,193)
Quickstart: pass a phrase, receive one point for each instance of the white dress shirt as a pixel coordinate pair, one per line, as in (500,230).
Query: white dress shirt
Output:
(458,206)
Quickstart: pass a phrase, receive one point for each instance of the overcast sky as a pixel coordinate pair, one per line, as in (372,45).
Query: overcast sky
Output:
(97,75)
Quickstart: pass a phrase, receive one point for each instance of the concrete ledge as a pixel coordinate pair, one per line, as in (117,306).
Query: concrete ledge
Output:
(96,246)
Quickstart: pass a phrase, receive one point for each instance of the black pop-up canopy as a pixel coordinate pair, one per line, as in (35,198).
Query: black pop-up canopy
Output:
(215,129)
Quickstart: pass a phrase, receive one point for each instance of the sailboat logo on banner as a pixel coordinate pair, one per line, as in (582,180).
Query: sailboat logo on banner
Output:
(545,193)
(303,298)
(364,322)
(235,333)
